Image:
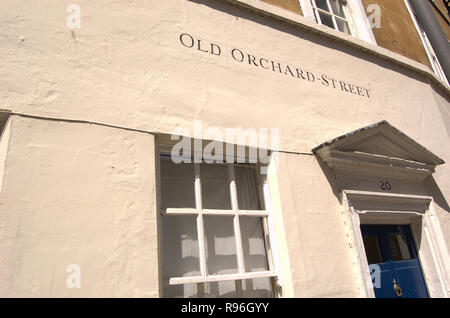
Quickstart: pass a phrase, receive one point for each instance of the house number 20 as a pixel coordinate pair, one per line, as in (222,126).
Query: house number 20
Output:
(385,185)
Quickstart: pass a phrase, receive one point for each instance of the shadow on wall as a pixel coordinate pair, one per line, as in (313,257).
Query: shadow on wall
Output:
(434,191)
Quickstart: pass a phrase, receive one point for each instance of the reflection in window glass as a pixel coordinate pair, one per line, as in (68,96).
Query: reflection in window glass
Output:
(180,246)
(326,19)
(399,247)
(372,248)
(258,287)
(322,4)
(181,291)
(215,186)
(338,9)
(177,182)
(180,241)
(252,234)
(248,190)
(342,26)
(221,255)
(222,289)
(331,13)
(248,288)
(180,252)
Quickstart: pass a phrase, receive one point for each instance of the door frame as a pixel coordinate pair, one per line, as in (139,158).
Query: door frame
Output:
(365,207)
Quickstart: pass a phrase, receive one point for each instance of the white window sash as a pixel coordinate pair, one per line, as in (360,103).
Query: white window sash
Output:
(256,213)
(217,278)
(236,224)
(235,213)
(355,16)
(317,10)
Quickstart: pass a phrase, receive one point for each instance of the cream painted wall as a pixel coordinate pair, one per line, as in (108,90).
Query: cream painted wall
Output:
(320,256)
(78,194)
(125,66)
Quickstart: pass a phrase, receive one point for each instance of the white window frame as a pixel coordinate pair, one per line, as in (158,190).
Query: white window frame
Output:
(235,212)
(355,15)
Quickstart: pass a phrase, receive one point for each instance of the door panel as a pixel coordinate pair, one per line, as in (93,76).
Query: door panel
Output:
(411,281)
(392,248)
(385,290)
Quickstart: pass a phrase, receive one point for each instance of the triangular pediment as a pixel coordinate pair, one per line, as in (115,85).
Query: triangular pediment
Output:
(377,145)
(381,144)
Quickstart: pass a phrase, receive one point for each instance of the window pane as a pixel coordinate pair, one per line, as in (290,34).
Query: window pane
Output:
(180,291)
(215,186)
(254,248)
(326,19)
(221,289)
(322,4)
(251,288)
(221,257)
(343,26)
(248,188)
(399,247)
(372,249)
(338,9)
(180,246)
(177,182)
(257,288)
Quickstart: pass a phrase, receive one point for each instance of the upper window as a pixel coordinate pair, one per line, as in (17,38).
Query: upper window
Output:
(347,16)
(215,238)
(331,13)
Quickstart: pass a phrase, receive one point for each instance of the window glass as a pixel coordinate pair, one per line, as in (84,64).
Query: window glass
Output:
(221,257)
(215,220)
(342,26)
(399,247)
(254,248)
(331,13)
(337,7)
(372,248)
(221,289)
(181,291)
(326,19)
(180,253)
(248,288)
(257,287)
(180,246)
(322,4)
(215,186)
(177,182)
(248,189)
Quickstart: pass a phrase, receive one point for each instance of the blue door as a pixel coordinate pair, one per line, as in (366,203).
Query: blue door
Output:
(392,248)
